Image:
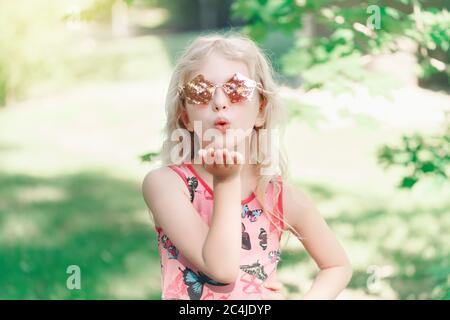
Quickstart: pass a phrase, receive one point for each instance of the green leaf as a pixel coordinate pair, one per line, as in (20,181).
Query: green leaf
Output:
(428,167)
(148,157)
(408,182)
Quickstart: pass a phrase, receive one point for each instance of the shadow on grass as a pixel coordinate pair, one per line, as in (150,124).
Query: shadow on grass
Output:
(405,251)
(415,277)
(420,277)
(91,220)
(410,243)
(290,258)
(101,224)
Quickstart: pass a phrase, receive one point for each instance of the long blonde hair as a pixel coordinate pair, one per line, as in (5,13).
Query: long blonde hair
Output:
(235,47)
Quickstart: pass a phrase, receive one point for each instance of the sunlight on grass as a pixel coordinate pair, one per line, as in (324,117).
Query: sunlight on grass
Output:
(40,193)
(17,229)
(140,280)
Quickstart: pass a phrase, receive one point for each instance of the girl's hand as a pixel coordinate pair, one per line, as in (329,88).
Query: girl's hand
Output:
(275,293)
(221,163)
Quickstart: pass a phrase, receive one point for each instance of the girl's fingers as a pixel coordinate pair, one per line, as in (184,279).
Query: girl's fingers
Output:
(237,157)
(275,285)
(234,156)
(210,156)
(228,158)
(202,155)
(218,156)
(275,293)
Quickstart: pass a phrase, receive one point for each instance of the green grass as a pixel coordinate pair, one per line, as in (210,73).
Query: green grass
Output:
(70,191)
(402,235)
(86,219)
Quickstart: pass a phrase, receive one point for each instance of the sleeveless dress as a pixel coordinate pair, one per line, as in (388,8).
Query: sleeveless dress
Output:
(260,251)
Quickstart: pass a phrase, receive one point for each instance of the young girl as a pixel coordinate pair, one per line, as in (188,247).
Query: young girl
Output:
(219,211)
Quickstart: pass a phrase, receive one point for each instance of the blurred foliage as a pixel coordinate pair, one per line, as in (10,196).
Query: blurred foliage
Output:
(348,30)
(433,37)
(149,156)
(420,156)
(184,15)
(332,60)
(28,44)
(332,56)
(99,10)
(55,49)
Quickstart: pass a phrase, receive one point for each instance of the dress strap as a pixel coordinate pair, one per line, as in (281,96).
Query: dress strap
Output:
(280,203)
(276,201)
(190,180)
(181,173)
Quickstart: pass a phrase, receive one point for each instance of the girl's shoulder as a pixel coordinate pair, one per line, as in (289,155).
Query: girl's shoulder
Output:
(160,181)
(161,186)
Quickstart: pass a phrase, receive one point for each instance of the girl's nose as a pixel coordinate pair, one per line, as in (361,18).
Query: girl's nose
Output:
(218,107)
(220,100)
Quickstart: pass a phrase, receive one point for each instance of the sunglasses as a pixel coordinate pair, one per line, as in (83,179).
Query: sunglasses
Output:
(201,91)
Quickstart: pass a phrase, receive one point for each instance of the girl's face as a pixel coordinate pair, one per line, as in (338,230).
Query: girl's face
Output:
(243,115)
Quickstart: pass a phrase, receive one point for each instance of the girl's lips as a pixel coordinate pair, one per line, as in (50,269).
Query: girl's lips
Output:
(222,124)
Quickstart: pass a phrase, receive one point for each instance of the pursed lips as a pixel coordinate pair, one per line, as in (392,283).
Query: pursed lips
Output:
(222,124)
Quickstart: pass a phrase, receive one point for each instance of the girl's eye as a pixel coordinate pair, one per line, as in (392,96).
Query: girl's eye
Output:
(231,87)
(240,89)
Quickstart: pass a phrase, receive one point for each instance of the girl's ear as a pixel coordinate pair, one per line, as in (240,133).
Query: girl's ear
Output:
(261,117)
(185,119)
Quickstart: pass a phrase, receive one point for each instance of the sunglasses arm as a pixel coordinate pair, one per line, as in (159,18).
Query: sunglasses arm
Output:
(180,90)
(261,88)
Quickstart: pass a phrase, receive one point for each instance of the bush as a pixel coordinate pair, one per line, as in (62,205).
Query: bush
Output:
(29,44)
(419,156)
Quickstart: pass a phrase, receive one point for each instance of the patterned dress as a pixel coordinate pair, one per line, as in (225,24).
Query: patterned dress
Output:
(260,252)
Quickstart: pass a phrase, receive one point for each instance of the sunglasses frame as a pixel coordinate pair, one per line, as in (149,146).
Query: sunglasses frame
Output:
(208,89)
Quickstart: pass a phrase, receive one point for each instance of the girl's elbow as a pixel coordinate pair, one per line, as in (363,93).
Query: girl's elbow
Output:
(347,268)
(226,276)
(348,272)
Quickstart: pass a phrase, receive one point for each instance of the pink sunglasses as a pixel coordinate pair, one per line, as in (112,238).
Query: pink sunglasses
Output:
(201,91)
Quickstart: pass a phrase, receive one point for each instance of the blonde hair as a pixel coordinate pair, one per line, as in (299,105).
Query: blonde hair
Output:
(235,47)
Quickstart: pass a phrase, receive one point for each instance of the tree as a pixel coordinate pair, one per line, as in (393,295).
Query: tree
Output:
(344,31)
(330,57)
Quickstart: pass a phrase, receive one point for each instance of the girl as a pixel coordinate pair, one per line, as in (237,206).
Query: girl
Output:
(221,207)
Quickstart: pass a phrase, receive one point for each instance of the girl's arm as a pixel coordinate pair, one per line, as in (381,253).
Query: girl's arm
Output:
(317,238)
(216,250)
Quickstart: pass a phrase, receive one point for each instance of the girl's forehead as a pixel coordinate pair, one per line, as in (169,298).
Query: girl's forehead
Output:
(218,69)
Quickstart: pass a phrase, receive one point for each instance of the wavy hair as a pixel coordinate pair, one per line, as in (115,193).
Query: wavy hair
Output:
(235,47)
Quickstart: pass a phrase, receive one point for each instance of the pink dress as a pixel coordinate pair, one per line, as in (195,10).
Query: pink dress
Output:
(260,252)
